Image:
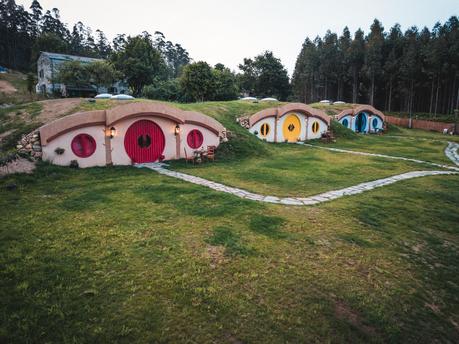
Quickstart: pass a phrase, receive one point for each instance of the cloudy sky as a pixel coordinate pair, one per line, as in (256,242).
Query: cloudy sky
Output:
(227,31)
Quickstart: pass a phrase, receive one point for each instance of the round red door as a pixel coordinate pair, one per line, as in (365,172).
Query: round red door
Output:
(144,142)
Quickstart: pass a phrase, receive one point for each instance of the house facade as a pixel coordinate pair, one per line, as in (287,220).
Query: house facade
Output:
(48,65)
(362,119)
(134,133)
(289,123)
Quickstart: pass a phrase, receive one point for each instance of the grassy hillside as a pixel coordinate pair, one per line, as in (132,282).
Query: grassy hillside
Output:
(126,255)
(13,89)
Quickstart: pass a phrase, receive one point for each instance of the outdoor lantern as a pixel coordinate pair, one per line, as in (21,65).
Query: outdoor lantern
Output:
(112,132)
(177,130)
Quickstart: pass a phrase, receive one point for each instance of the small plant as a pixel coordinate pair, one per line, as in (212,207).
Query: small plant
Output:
(255,132)
(74,164)
(59,151)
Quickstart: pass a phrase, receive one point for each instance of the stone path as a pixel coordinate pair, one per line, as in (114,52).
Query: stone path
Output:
(312,200)
(390,156)
(452,152)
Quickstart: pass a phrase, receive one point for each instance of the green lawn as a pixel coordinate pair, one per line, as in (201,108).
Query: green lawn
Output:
(294,170)
(127,255)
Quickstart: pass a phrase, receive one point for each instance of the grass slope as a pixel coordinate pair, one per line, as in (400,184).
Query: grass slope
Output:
(127,255)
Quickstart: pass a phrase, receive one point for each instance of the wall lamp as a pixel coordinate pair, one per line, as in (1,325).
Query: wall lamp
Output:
(112,132)
(177,130)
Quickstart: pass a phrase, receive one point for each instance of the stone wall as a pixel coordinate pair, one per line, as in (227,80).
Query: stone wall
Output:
(30,144)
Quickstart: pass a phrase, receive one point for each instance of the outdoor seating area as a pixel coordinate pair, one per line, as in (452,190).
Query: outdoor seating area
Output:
(201,155)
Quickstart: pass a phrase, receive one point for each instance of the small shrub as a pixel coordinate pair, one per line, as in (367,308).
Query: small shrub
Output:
(74,164)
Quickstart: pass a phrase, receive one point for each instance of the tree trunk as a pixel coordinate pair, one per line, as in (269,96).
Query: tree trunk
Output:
(410,103)
(354,86)
(372,92)
(431,97)
(390,94)
(453,93)
(436,97)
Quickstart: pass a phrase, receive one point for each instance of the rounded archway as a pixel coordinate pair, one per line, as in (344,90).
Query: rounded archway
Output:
(144,142)
(361,123)
(292,128)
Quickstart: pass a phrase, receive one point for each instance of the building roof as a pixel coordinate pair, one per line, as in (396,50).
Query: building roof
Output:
(65,57)
(112,116)
(288,108)
(358,108)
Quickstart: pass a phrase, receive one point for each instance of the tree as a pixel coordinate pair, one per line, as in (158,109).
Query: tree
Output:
(31,81)
(356,60)
(306,69)
(342,61)
(73,73)
(197,82)
(266,75)
(36,16)
(373,56)
(168,90)
(139,62)
(102,45)
(393,52)
(102,74)
(225,84)
(248,78)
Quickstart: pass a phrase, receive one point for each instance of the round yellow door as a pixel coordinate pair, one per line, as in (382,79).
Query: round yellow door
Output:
(292,128)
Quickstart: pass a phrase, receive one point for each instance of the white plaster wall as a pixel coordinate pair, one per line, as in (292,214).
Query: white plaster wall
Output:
(65,141)
(380,124)
(119,155)
(280,126)
(209,138)
(323,127)
(257,128)
(349,121)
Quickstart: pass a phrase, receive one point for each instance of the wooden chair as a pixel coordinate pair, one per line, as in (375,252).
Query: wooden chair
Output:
(188,158)
(210,153)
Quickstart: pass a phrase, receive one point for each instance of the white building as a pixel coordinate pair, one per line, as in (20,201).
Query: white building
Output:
(48,68)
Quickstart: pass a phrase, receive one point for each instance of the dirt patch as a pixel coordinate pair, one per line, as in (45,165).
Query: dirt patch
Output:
(216,255)
(344,312)
(56,108)
(7,88)
(20,165)
(6,134)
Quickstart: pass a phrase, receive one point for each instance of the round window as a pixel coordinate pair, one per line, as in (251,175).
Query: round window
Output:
(315,127)
(345,123)
(375,123)
(264,130)
(83,145)
(195,139)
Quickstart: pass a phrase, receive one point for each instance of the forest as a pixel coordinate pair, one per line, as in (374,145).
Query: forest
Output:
(412,71)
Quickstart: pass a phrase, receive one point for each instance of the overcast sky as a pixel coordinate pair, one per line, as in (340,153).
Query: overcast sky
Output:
(227,31)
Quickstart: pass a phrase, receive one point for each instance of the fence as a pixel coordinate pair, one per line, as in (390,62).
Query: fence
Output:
(420,124)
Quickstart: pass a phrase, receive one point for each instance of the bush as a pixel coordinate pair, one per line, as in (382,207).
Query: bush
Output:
(74,164)
(168,90)
(340,131)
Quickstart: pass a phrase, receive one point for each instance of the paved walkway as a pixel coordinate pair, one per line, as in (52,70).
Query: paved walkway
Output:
(312,200)
(452,152)
(390,156)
